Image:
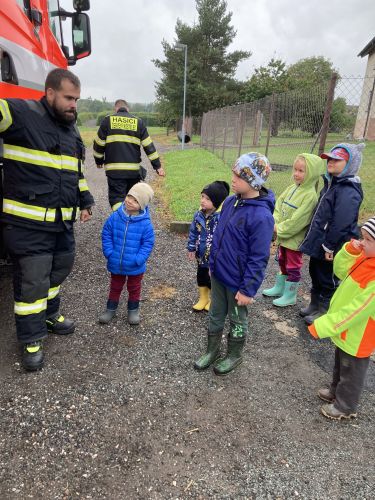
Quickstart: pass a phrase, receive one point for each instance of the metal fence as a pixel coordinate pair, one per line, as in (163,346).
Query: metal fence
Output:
(300,121)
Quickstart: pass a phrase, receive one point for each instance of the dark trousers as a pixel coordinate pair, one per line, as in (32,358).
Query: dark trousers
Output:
(349,375)
(119,188)
(324,282)
(224,304)
(203,276)
(41,262)
(133,285)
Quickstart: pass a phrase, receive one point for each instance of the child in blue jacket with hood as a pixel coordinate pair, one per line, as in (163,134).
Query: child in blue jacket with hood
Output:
(335,221)
(127,241)
(201,233)
(239,254)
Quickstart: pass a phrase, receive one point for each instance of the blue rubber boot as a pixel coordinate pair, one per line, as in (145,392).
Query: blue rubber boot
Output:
(278,289)
(289,297)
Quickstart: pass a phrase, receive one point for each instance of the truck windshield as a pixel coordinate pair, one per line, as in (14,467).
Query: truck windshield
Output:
(54,19)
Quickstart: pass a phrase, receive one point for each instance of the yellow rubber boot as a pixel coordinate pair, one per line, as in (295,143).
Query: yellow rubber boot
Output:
(207,306)
(203,298)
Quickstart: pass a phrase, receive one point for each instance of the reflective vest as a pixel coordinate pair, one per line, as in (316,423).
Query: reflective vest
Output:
(43,180)
(118,143)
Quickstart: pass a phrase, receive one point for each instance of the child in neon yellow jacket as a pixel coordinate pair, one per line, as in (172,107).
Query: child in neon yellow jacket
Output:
(350,323)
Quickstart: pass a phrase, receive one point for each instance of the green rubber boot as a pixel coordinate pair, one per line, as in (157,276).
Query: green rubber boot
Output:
(213,351)
(289,297)
(278,289)
(233,357)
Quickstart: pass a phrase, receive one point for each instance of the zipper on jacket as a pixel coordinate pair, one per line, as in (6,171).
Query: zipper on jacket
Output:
(123,244)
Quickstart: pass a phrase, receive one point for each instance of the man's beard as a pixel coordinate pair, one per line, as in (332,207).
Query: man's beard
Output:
(63,116)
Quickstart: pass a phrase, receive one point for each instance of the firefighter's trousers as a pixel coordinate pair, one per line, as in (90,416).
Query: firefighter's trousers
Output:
(118,189)
(42,260)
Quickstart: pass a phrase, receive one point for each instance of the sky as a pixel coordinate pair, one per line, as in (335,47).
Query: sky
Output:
(127,35)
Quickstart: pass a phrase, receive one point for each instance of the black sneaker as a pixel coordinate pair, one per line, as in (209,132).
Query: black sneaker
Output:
(33,356)
(60,325)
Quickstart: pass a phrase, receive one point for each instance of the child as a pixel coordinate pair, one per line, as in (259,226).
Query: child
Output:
(351,325)
(334,223)
(239,254)
(200,237)
(293,212)
(127,240)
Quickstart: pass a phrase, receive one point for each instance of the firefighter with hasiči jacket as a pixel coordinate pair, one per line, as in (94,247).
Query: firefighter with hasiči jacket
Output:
(117,145)
(44,190)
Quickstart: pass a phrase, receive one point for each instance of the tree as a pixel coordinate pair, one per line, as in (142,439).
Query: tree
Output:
(309,72)
(211,69)
(266,80)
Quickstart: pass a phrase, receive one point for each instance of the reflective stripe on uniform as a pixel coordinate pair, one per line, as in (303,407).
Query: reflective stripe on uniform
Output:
(7,119)
(25,308)
(116,206)
(53,292)
(122,166)
(98,155)
(67,213)
(146,142)
(123,138)
(82,183)
(41,158)
(99,141)
(29,211)
(153,156)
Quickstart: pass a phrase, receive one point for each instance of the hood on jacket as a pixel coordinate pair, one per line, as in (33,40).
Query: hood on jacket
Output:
(315,167)
(266,198)
(143,214)
(355,159)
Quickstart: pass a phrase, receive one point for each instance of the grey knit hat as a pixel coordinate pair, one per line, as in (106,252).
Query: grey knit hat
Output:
(369,227)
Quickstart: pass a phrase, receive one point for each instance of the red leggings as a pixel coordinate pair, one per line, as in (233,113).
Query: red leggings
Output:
(133,285)
(290,262)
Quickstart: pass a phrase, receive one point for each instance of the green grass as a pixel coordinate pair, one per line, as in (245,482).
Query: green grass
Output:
(189,171)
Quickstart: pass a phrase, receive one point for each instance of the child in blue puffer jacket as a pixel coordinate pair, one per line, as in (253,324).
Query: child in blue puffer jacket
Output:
(239,254)
(200,237)
(127,241)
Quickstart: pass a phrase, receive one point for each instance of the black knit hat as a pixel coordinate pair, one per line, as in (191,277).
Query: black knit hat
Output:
(217,192)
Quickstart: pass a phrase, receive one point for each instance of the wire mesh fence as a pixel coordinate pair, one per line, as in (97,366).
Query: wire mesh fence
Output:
(300,121)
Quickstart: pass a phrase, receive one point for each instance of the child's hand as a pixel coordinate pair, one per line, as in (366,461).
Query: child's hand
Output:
(328,256)
(357,244)
(243,300)
(275,229)
(191,255)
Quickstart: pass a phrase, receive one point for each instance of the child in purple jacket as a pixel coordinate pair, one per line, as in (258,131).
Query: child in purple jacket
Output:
(238,259)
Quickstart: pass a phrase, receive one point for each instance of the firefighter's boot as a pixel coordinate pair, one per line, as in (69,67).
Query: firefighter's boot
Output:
(203,298)
(278,289)
(233,357)
(32,356)
(289,297)
(109,313)
(212,353)
(59,325)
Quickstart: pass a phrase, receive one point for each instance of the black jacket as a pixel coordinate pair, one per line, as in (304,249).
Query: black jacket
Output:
(44,184)
(335,219)
(118,145)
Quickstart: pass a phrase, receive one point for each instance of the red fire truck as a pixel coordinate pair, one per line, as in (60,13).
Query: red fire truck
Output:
(37,36)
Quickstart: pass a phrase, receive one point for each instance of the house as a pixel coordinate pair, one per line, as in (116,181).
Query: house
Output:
(365,123)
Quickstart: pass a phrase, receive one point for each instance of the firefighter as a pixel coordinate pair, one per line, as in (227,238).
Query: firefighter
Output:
(44,187)
(117,145)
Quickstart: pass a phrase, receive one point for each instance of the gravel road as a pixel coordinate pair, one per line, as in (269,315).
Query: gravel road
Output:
(119,413)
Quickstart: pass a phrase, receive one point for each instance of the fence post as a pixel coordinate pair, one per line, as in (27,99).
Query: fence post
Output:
(214,120)
(202,129)
(225,133)
(327,112)
(270,123)
(257,128)
(242,126)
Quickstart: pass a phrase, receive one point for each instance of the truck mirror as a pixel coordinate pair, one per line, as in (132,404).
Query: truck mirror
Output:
(81,5)
(36,17)
(81,35)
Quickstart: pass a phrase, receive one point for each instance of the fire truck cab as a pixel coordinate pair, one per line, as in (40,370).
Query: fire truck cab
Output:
(37,36)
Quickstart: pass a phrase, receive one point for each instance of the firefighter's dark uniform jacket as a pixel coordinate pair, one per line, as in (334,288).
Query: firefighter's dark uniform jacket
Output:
(43,189)
(118,145)
(44,184)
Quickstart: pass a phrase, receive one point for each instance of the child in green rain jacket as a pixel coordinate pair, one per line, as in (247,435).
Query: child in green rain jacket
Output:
(293,212)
